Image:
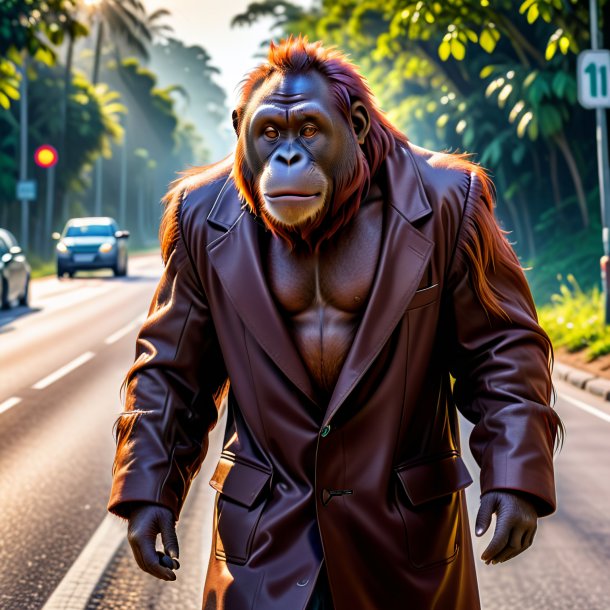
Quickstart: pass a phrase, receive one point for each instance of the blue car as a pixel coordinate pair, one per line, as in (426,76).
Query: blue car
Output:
(91,243)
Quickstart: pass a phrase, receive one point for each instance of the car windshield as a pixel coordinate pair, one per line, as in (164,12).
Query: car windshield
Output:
(89,231)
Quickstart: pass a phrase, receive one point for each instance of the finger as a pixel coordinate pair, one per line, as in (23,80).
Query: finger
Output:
(528,539)
(484,515)
(169,538)
(152,565)
(499,541)
(513,548)
(145,554)
(167,562)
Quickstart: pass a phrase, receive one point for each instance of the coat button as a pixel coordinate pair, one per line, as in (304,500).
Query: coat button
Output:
(325,431)
(302,582)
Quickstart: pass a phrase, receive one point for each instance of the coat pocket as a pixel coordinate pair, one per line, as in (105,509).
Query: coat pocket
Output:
(430,507)
(240,502)
(424,296)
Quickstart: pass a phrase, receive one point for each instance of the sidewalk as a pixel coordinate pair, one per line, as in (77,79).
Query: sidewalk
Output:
(594,377)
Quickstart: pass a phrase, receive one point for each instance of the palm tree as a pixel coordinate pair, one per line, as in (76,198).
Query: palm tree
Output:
(127,21)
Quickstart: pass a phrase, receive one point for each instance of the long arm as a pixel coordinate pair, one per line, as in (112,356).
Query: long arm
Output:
(501,358)
(169,407)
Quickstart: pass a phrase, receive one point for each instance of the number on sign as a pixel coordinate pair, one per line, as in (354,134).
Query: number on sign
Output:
(591,70)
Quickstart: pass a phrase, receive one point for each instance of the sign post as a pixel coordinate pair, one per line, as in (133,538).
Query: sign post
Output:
(46,157)
(23,171)
(593,77)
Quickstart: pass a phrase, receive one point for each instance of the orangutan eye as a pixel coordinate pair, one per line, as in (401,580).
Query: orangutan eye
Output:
(309,131)
(271,133)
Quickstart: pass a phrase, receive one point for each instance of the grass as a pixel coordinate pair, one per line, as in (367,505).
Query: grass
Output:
(574,319)
(41,267)
(44,267)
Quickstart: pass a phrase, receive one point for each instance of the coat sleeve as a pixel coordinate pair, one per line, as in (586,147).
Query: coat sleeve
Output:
(500,357)
(162,436)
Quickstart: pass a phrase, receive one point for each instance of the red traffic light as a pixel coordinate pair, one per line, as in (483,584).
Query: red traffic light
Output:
(45,156)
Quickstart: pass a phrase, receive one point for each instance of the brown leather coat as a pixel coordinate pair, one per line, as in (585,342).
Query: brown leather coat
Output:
(372,482)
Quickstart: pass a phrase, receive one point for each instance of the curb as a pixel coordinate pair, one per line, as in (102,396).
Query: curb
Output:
(598,386)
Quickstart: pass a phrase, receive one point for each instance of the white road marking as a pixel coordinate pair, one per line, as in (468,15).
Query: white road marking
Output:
(588,408)
(9,403)
(119,334)
(76,587)
(63,371)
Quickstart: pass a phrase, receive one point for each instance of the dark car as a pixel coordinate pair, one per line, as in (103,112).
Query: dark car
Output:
(14,272)
(91,243)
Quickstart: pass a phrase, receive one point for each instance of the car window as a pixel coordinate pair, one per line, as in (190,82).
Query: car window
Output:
(89,231)
(8,238)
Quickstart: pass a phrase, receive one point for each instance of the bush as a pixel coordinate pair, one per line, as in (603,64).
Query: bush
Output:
(575,319)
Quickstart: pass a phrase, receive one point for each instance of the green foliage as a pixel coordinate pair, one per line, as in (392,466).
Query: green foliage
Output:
(493,77)
(93,123)
(575,320)
(32,27)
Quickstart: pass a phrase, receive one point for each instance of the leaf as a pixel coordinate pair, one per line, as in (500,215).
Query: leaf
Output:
(444,50)
(487,41)
(564,45)
(525,5)
(472,36)
(10,91)
(4,101)
(551,48)
(442,120)
(503,95)
(518,154)
(486,71)
(532,129)
(523,123)
(533,13)
(516,111)
(458,50)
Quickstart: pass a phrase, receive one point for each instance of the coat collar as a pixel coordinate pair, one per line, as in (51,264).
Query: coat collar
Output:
(236,257)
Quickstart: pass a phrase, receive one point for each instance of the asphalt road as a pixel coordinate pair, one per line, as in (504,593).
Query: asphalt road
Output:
(61,365)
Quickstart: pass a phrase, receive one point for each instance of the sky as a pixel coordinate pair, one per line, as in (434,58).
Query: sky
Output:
(207,23)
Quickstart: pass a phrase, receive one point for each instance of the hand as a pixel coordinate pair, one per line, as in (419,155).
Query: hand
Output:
(516,523)
(146,521)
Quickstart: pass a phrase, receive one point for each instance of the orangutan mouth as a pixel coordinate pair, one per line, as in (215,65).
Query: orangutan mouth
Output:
(285,197)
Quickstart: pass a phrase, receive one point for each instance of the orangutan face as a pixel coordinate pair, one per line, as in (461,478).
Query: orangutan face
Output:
(299,145)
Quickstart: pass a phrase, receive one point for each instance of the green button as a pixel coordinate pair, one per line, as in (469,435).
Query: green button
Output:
(325,431)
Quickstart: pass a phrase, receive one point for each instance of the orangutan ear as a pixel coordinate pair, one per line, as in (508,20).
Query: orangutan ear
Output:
(361,120)
(235,119)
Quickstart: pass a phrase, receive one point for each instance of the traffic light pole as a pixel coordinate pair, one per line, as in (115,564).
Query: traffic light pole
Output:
(23,171)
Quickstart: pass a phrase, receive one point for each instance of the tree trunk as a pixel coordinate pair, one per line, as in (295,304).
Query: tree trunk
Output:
(564,147)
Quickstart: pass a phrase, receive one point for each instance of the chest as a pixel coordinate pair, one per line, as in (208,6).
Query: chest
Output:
(340,275)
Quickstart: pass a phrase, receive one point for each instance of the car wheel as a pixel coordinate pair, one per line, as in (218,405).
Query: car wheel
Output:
(24,299)
(4,302)
(60,270)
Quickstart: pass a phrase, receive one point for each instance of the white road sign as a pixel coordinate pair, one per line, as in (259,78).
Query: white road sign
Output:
(593,76)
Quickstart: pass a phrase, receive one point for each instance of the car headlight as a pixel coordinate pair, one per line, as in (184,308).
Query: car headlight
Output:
(105,248)
(61,247)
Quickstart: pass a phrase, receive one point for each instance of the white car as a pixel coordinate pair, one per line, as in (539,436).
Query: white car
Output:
(14,272)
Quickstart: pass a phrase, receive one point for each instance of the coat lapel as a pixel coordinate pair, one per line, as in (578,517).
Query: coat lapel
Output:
(403,259)
(236,257)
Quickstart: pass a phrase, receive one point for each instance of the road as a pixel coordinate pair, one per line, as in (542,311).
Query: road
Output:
(61,365)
